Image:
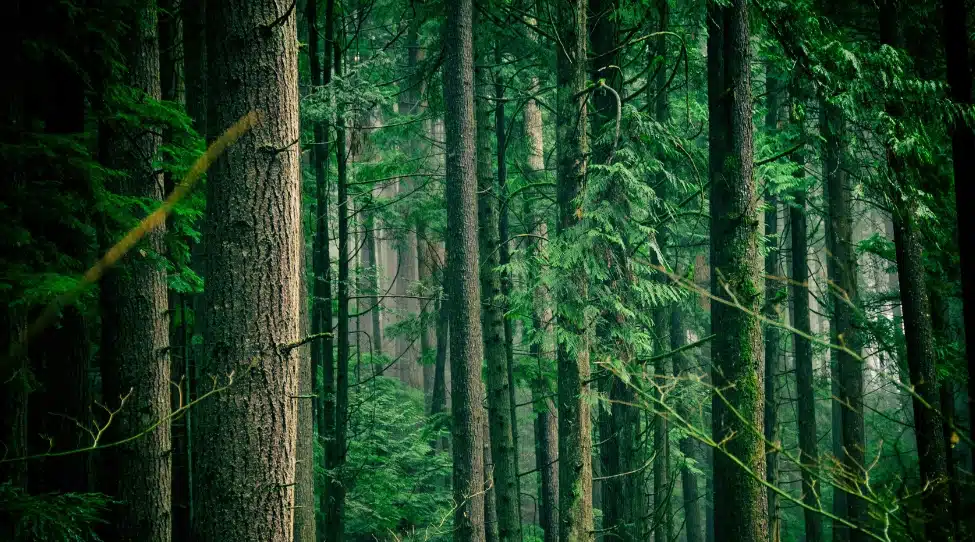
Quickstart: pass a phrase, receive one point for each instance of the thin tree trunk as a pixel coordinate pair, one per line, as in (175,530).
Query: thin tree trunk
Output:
(322,355)
(463,292)
(740,506)
(773,309)
(503,452)
(246,437)
(693,523)
(335,512)
(304,527)
(135,328)
(542,345)
(842,270)
(805,393)
(575,434)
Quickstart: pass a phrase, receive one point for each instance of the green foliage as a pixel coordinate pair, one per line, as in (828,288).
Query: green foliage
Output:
(71,517)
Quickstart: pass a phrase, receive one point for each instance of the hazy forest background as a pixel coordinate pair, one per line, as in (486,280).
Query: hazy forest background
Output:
(487,270)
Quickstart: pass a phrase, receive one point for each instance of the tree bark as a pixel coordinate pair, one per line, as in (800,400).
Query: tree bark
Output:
(503,452)
(693,523)
(575,435)
(740,505)
(918,332)
(135,326)
(542,346)
(844,294)
(773,309)
(802,347)
(463,292)
(963,153)
(304,527)
(246,435)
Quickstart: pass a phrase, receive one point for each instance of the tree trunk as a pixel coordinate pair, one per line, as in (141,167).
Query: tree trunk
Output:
(773,309)
(503,452)
(740,505)
(246,435)
(693,524)
(321,310)
(335,512)
(542,345)
(918,332)
(963,153)
(575,435)
(842,269)
(135,326)
(463,292)
(304,529)
(805,392)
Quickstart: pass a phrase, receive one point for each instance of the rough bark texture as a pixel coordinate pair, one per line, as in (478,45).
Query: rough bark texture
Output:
(693,522)
(918,332)
(842,270)
(963,153)
(740,507)
(135,328)
(773,308)
(463,291)
(575,434)
(503,452)
(304,529)
(246,435)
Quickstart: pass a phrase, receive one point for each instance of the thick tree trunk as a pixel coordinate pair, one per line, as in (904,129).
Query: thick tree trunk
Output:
(463,291)
(135,328)
(575,434)
(246,435)
(740,506)
(503,451)
(918,331)
(963,152)
(842,270)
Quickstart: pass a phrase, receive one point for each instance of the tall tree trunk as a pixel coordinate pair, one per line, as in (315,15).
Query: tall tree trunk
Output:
(918,332)
(575,435)
(542,345)
(503,451)
(773,309)
(335,513)
(842,270)
(135,328)
(693,524)
(740,506)
(963,153)
(322,355)
(463,292)
(246,436)
(193,13)
(805,392)
(490,495)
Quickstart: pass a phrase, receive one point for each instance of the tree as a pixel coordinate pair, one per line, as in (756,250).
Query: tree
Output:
(246,435)
(575,444)
(135,328)
(461,275)
(503,452)
(740,507)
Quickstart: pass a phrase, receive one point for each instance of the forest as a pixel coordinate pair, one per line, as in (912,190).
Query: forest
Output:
(487,271)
